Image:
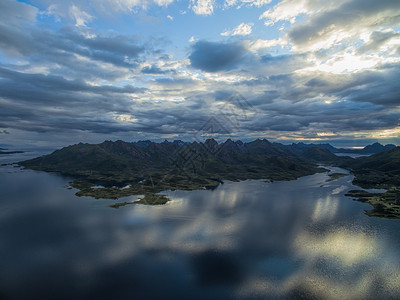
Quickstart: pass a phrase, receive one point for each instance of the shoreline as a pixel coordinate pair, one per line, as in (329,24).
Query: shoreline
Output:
(383,203)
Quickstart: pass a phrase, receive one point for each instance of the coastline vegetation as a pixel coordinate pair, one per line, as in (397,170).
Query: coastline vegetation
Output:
(147,199)
(385,205)
(335,176)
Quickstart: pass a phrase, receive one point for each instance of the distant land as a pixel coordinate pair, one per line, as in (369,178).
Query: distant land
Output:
(117,169)
(369,149)
(6,151)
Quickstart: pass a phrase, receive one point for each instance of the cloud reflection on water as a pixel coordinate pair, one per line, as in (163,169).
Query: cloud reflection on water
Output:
(243,240)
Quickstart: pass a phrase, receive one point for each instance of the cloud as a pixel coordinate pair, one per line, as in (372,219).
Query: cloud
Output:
(288,10)
(70,52)
(112,49)
(16,13)
(313,77)
(377,39)
(241,29)
(152,70)
(58,8)
(326,28)
(202,7)
(170,18)
(255,45)
(379,87)
(248,3)
(214,57)
(41,103)
(81,18)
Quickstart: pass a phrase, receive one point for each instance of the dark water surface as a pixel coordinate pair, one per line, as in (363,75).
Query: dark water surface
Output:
(300,239)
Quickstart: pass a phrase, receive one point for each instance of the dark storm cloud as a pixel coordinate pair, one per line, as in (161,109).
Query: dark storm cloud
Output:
(214,57)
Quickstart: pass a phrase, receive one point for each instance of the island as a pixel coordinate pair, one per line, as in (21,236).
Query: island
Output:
(335,176)
(147,199)
(117,169)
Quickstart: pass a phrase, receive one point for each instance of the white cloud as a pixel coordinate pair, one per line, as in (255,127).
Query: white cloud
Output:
(52,10)
(132,5)
(202,7)
(192,39)
(240,3)
(125,118)
(241,29)
(163,2)
(348,63)
(170,17)
(81,18)
(288,10)
(61,8)
(334,26)
(229,3)
(259,44)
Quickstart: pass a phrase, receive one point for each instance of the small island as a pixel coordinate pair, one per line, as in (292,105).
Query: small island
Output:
(335,176)
(147,199)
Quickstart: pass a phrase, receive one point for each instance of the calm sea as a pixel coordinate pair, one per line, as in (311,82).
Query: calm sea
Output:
(300,239)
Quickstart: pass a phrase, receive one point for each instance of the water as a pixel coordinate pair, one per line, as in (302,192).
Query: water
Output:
(352,155)
(245,240)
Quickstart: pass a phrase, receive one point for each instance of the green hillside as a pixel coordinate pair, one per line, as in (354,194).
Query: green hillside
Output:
(380,170)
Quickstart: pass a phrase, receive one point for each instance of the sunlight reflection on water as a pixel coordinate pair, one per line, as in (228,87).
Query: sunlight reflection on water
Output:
(244,240)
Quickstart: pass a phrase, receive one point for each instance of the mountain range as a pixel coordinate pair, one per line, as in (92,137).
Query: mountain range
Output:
(147,166)
(369,149)
(121,160)
(153,167)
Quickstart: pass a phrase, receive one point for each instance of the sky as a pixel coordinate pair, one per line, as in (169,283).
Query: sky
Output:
(289,71)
